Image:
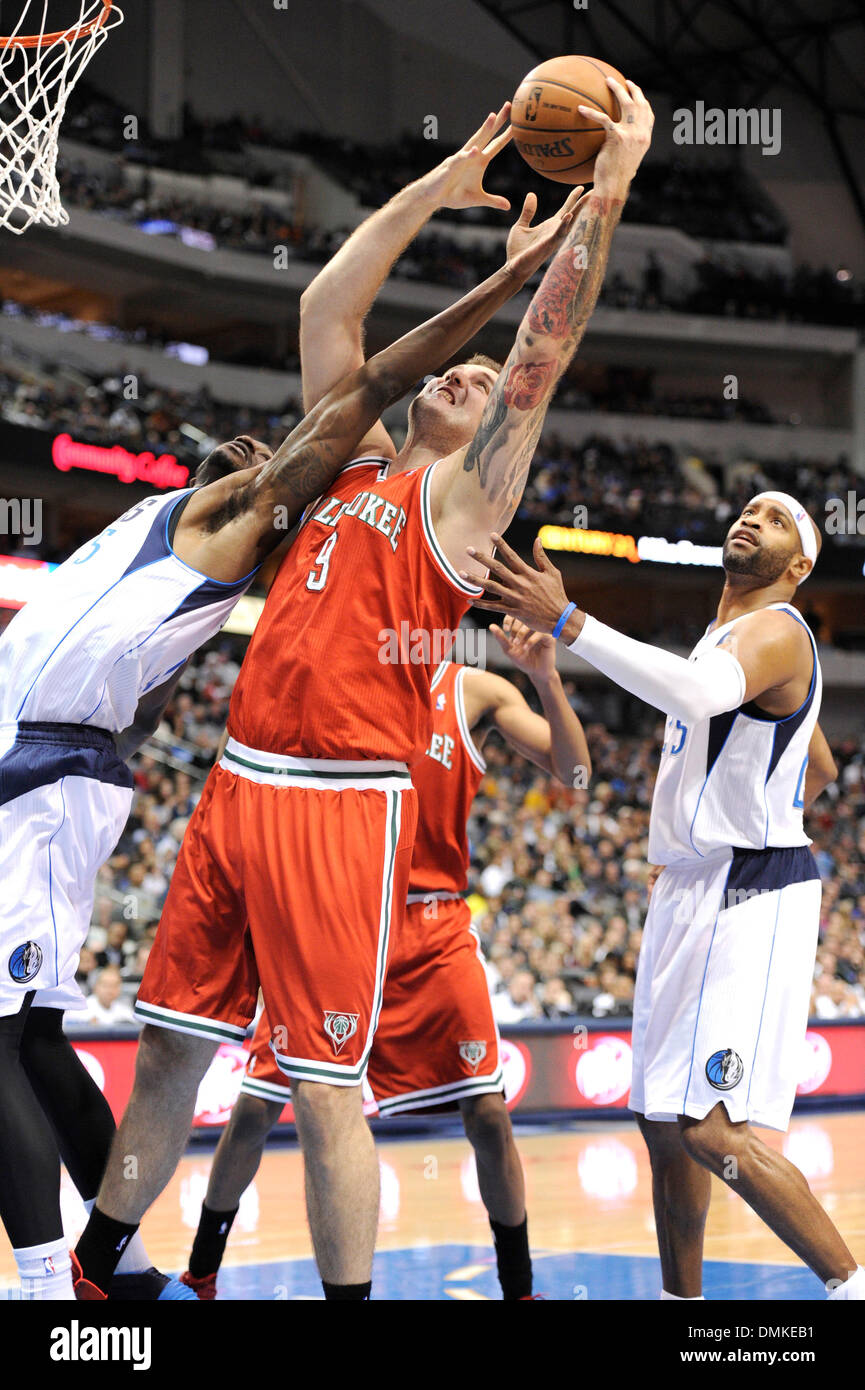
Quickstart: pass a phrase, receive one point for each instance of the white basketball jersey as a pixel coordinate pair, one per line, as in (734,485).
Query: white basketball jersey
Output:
(113,621)
(737,779)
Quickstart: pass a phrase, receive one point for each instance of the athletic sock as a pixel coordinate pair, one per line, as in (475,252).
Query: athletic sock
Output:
(698,1298)
(45,1271)
(852,1290)
(347,1292)
(135,1259)
(103,1242)
(513,1259)
(208,1247)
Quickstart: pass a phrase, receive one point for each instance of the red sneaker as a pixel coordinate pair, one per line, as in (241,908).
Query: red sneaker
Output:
(532,1298)
(205,1287)
(83,1287)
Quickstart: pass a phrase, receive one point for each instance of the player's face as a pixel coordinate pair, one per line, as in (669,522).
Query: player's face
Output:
(762,542)
(449,408)
(232,457)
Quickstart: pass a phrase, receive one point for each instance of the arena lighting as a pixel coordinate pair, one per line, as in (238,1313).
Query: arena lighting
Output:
(21,580)
(623,547)
(159,471)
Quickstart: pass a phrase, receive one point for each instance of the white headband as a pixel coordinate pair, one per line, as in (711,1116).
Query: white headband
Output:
(802,522)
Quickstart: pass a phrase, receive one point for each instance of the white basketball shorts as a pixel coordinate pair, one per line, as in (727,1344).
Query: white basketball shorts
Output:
(723,986)
(64,799)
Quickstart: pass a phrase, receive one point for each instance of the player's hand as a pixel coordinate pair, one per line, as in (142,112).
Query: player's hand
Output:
(627,139)
(458,182)
(536,596)
(532,652)
(654,870)
(528,247)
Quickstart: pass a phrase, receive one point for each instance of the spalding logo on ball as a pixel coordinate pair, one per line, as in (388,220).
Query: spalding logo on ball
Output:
(724,1069)
(549,131)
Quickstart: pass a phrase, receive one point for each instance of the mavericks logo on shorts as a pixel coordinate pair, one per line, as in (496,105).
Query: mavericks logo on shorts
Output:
(339,1028)
(473,1053)
(724,1069)
(25,962)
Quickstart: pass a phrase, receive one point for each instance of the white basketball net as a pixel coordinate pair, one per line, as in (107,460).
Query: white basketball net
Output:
(35,82)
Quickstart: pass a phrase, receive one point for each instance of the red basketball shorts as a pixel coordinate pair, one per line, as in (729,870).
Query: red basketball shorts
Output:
(292,875)
(437,1041)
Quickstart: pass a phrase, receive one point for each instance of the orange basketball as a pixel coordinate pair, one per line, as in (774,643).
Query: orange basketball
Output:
(549,131)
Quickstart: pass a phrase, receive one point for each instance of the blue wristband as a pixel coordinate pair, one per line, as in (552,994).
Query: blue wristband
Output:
(557,630)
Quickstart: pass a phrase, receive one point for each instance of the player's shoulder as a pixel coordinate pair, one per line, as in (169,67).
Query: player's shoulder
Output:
(774,623)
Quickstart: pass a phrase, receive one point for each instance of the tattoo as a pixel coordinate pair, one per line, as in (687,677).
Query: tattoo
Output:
(548,311)
(506,439)
(527,383)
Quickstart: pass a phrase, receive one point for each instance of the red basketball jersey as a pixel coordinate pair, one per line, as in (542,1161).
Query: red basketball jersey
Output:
(362,611)
(447,779)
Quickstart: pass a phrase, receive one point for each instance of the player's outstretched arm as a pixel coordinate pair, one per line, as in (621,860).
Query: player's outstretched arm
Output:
(555,741)
(228,527)
(822,768)
(766,658)
(478,489)
(335,304)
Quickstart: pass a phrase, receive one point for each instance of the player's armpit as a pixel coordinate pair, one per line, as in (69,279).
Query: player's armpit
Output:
(775,654)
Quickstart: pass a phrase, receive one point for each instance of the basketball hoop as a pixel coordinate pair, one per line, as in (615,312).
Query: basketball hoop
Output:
(37,73)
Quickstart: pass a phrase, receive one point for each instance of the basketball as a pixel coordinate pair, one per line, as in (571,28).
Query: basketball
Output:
(549,131)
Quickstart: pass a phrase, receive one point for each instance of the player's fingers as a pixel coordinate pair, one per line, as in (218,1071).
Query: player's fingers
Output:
(495,146)
(488,561)
(542,559)
(622,94)
(493,606)
(570,203)
(495,200)
(500,636)
(530,205)
(636,92)
(503,114)
(483,132)
(594,114)
(514,563)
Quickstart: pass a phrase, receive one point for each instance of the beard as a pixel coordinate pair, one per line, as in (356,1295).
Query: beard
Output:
(446,430)
(755,562)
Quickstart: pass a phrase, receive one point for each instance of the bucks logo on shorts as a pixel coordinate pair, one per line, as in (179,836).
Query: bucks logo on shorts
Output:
(473,1053)
(25,961)
(724,1069)
(339,1028)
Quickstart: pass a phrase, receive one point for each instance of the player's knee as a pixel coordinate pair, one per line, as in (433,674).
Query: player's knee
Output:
(168,1058)
(323,1112)
(487,1123)
(709,1142)
(662,1141)
(252,1119)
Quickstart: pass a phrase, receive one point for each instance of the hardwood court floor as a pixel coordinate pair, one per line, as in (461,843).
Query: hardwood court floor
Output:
(590,1218)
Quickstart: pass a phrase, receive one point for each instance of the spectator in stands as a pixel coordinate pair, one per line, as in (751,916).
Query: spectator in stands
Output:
(106,1008)
(517,1004)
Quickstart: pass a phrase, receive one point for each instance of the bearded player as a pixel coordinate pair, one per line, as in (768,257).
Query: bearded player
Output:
(437,1045)
(295,867)
(725,970)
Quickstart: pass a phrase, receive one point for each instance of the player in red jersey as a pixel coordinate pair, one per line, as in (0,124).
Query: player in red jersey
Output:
(437,1044)
(294,869)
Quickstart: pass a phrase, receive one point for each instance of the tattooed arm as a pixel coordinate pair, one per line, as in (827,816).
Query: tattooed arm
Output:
(229,526)
(479,488)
